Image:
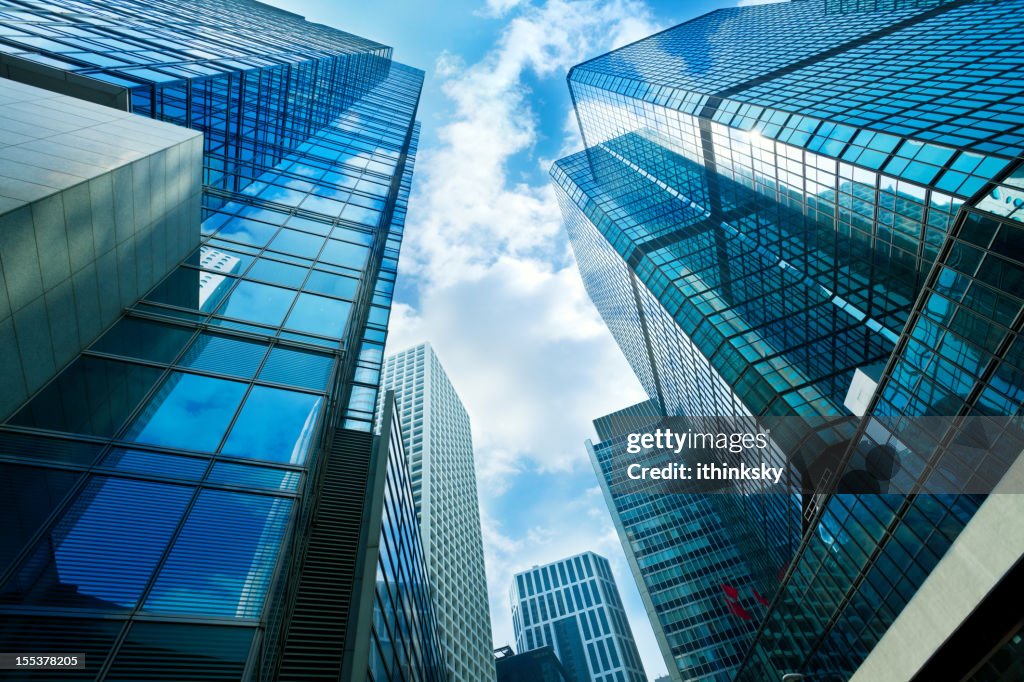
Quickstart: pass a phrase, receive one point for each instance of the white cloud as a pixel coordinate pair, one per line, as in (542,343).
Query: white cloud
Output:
(500,298)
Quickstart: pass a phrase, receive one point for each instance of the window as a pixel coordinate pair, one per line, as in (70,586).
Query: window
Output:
(189,412)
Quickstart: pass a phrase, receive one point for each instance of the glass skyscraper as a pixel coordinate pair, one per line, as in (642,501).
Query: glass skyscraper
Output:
(812,209)
(439,446)
(198,492)
(573,606)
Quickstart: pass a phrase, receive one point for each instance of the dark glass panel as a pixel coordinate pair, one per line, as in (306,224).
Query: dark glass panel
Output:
(94,638)
(101,552)
(28,495)
(174,652)
(92,396)
(136,338)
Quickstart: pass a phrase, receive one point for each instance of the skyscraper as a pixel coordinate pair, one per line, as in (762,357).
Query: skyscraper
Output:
(692,575)
(810,209)
(439,446)
(573,606)
(196,489)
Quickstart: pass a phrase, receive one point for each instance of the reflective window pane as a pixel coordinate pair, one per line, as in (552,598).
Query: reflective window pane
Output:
(344,253)
(258,303)
(233,473)
(278,272)
(274,424)
(298,243)
(332,285)
(247,232)
(222,561)
(225,355)
(319,315)
(298,368)
(190,412)
(192,289)
(101,553)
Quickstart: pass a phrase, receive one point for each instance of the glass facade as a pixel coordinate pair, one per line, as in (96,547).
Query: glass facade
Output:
(771,199)
(406,644)
(694,578)
(162,487)
(573,606)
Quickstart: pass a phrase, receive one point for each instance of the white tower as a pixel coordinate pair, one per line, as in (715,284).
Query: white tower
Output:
(439,445)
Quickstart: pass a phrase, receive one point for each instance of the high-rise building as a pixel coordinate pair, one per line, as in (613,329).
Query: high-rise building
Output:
(573,606)
(191,484)
(812,210)
(439,447)
(683,556)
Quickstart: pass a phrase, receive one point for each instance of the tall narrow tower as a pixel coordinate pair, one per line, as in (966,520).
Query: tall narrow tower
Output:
(439,445)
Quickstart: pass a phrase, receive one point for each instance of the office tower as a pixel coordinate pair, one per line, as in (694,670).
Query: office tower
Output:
(573,606)
(439,447)
(811,210)
(537,665)
(199,492)
(692,576)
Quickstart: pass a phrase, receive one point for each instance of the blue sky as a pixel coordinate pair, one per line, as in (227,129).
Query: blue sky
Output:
(487,274)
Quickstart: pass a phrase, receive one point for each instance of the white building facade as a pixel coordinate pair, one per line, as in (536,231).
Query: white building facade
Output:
(439,447)
(574,606)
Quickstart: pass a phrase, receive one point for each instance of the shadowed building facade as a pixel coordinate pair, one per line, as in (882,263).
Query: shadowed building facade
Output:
(196,490)
(811,209)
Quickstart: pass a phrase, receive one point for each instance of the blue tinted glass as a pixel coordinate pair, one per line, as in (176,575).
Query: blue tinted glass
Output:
(309,225)
(343,253)
(225,355)
(278,273)
(232,473)
(274,424)
(359,214)
(299,243)
(101,552)
(332,285)
(81,399)
(350,235)
(136,338)
(258,303)
(159,463)
(247,232)
(298,368)
(189,412)
(319,315)
(222,561)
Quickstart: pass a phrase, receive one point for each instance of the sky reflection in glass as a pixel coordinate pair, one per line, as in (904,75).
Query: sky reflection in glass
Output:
(189,411)
(274,424)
